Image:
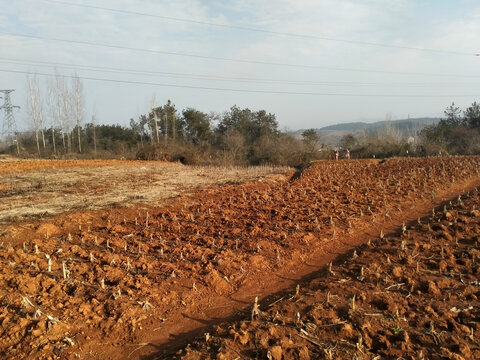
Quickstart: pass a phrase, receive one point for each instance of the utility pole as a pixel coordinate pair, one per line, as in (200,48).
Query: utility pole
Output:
(9,130)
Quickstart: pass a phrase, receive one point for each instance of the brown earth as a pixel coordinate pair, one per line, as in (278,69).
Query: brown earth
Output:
(413,295)
(140,282)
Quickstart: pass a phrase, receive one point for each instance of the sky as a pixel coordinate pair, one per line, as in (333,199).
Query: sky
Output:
(310,62)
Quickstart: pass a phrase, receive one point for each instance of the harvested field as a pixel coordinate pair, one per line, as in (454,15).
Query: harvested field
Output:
(412,295)
(37,189)
(141,282)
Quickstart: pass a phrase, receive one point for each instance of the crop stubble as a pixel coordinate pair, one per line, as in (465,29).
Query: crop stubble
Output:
(39,189)
(139,276)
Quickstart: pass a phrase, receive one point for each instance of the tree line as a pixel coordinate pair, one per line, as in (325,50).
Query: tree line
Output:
(458,133)
(238,136)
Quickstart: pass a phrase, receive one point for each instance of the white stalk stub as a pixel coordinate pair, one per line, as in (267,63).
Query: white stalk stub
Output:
(49,259)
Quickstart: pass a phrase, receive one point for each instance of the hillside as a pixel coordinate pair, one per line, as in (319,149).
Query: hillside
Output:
(332,134)
(401,125)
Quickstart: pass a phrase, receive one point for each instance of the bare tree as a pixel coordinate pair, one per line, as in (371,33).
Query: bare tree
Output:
(155,119)
(61,93)
(94,121)
(77,100)
(41,116)
(35,109)
(165,127)
(53,111)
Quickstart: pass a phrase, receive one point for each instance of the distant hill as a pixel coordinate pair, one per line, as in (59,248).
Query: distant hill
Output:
(403,128)
(402,125)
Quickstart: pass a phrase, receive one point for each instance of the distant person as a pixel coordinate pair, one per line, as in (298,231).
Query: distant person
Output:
(347,154)
(337,154)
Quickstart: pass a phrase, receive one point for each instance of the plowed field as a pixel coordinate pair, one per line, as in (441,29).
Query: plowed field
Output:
(411,295)
(140,282)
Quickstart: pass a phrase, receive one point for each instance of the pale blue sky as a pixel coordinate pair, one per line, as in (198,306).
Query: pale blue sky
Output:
(412,82)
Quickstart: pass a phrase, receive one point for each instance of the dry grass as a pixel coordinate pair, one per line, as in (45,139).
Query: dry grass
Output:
(37,189)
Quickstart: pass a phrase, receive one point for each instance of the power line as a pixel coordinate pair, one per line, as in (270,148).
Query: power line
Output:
(207,77)
(271,32)
(257,62)
(241,90)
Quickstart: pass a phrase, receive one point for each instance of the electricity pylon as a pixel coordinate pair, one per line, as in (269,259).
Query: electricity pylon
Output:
(9,129)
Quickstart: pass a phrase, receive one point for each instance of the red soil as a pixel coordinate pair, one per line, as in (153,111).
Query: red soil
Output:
(142,282)
(412,295)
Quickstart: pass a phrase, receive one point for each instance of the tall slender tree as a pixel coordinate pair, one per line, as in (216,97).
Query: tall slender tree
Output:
(77,94)
(53,111)
(35,109)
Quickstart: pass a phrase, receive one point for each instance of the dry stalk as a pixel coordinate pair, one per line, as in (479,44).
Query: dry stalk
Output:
(26,303)
(255,309)
(129,265)
(37,313)
(118,293)
(330,271)
(298,320)
(49,259)
(361,278)
(66,272)
(145,305)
